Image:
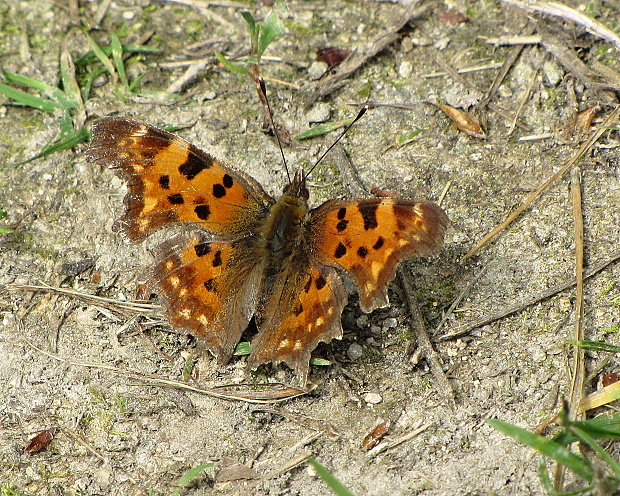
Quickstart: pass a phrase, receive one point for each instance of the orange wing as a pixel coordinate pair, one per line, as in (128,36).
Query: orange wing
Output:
(208,287)
(171,180)
(298,309)
(368,238)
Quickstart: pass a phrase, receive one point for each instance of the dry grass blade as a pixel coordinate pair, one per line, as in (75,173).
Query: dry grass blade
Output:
(116,305)
(321,426)
(600,397)
(565,12)
(543,295)
(253,393)
(584,148)
(406,437)
(578,379)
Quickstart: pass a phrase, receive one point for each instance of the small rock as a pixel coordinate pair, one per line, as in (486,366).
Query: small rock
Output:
(321,112)
(317,69)
(362,321)
(405,69)
(373,398)
(390,323)
(355,351)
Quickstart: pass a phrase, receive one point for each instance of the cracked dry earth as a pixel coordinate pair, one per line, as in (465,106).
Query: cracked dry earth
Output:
(118,435)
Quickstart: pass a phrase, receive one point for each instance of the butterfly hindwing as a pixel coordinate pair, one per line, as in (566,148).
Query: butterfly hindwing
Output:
(302,308)
(208,288)
(170,180)
(368,238)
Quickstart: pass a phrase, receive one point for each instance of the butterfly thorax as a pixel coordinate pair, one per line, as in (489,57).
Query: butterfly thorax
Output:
(284,231)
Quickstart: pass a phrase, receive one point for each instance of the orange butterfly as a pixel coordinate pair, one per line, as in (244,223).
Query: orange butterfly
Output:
(253,256)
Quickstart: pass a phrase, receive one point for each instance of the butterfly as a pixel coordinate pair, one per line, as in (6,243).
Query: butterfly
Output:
(247,255)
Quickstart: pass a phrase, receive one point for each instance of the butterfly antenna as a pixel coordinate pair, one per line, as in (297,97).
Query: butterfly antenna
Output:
(359,116)
(263,89)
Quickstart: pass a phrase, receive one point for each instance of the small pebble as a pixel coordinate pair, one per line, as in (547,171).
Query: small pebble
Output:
(316,70)
(405,69)
(355,351)
(373,398)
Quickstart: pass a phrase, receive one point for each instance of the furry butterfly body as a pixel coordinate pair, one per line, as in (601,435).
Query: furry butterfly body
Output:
(250,255)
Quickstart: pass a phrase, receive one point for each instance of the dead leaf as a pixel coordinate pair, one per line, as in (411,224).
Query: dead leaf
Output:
(40,441)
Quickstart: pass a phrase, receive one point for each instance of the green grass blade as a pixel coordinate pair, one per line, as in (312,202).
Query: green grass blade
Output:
(323,129)
(596,346)
(56,94)
(117,57)
(29,82)
(67,141)
(100,54)
(136,82)
(88,57)
(239,69)
(27,99)
(598,428)
(580,466)
(586,438)
(334,484)
(271,30)
(188,476)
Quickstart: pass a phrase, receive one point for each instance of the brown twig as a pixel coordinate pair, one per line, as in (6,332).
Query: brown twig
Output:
(566,12)
(578,378)
(423,341)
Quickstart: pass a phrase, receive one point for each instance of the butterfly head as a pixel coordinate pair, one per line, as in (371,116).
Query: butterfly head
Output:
(297,187)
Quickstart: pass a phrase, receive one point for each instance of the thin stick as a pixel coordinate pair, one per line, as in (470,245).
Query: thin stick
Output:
(424,342)
(579,353)
(584,148)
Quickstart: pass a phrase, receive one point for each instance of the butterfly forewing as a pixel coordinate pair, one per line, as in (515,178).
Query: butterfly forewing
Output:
(368,238)
(171,180)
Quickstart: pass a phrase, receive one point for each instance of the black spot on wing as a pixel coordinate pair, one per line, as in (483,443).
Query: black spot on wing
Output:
(362,251)
(195,163)
(378,244)
(342,225)
(342,213)
(176,199)
(219,190)
(164,182)
(341,251)
(228,181)
(320,283)
(369,214)
(217,259)
(210,284)
(203,212)
(202,249)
